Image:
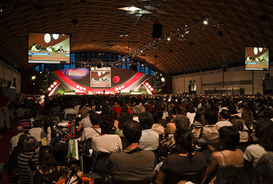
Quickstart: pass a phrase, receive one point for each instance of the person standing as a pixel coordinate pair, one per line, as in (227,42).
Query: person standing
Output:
(4,111)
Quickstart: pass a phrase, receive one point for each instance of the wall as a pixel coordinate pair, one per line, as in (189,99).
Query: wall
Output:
(8,74)
(250,81)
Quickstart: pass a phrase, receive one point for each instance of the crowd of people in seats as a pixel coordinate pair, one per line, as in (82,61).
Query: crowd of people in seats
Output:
(147,138)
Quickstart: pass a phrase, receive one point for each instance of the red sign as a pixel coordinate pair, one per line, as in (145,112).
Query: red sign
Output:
(116,79)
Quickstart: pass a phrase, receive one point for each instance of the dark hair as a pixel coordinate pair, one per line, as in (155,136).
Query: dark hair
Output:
(124,108)
(106,123)
(224,113)
(183,141)
(264,168)
(132,131)
(211,115)
(182,122)
(46,160)
(146,120)
(124,116)
(230,175)
(232,109)
(230,136)
(36,123)
(264,131)
(190,108)
(22,138)
(30,144)
(94,117)
(114,114)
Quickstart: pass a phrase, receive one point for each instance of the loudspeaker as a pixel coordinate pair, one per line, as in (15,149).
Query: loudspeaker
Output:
(98,65)
(157,30)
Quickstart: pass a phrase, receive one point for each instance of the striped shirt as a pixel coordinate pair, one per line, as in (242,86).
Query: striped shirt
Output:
(24,167)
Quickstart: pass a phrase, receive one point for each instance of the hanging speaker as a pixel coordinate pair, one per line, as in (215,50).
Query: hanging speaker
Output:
(157,30)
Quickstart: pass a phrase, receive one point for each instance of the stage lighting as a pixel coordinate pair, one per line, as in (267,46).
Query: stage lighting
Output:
(3,8)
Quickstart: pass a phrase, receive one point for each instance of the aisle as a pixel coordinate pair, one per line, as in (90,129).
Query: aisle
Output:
(5,146)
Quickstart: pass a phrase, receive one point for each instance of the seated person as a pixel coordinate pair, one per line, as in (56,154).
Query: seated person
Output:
(107,142)
(185,161)
(264,169)
(263,131)
(28,156)
(229,139)
(61,49)
(85,122)
(133,163)
(149,139)
(47,166)
(37,131)
(95,130)
(14,140)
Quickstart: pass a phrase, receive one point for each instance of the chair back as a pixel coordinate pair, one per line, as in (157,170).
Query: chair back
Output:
(174,178)
(99,164)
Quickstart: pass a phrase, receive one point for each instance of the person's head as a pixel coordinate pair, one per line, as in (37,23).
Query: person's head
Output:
(232,109)
(238,123)
(22,139)
(231,175)
(211,116)
(30,144)
(114,114)
(61,47)
(124,116)
(146,120)
(182,122)
(264,169)
(45,160)
(36,123)
(190,108)
(224,114)
(247,115)
(106,123)
(184,141)
(132,131)
(229,137)
(95,118)
(20,129)
(84,111)
(264,132)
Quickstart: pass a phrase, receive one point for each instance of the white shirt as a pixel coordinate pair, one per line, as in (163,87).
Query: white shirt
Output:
(149,140)
(223,123)
(89,132)
(36,132)
(107,143)
(69,111)
(253,153)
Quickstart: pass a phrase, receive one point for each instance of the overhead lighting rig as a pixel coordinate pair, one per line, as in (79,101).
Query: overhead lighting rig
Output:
(167,38)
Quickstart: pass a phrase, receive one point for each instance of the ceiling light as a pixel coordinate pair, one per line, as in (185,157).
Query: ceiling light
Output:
(3,8)
(169,39)
(132,8)
(205,22)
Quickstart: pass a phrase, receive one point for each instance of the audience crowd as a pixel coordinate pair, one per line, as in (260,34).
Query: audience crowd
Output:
(143,139)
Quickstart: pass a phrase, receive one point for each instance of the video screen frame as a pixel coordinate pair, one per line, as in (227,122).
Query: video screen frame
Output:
(104,81)
(48,48)
(257,58)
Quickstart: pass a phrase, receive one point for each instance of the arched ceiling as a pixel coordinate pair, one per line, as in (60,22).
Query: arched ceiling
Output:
(101,22)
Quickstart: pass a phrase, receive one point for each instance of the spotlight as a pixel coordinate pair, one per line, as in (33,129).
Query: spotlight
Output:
(3,8)
(75,22)
(169,39)
(205,22)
